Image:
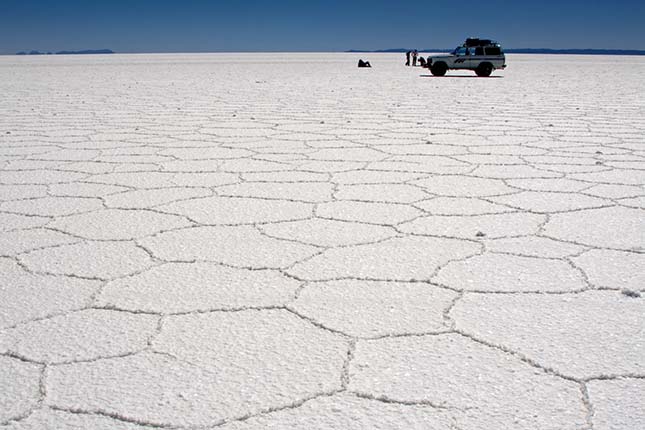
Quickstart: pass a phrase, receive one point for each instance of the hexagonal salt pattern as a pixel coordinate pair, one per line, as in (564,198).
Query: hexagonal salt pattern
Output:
(613,269)
(510,273)
(190,287)
(80,336)
(18,241)
(476,386)
(283,241)
(89,259)
(242,246)
(615,227)
(407,259)
(115,224)
(209,368)
(371,309)
(26,296)
(471,227)
(328,233)
(239,210)
(368,212)
(591,334)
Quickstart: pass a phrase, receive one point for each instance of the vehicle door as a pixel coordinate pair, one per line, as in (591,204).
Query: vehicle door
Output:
(462,58)
(477,57)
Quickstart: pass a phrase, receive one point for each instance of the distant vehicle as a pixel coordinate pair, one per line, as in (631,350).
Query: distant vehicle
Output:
(480,55)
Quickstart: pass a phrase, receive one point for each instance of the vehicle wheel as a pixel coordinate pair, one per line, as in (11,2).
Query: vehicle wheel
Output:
(484,70)
(439,69)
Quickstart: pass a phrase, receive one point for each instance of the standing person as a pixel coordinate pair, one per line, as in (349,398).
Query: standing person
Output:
(407,58)
(414,57)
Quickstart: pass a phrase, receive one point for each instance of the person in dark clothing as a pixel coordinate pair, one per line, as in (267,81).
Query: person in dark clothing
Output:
(362,63)
(422,61)
(407,58)
(414,57)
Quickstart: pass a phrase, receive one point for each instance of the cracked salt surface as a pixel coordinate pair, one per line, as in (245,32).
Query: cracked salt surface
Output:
(262,241)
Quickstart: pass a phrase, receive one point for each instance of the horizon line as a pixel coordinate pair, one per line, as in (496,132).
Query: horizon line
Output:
(26,53)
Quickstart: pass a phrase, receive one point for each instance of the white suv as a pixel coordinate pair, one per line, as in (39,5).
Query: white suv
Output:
(480,55)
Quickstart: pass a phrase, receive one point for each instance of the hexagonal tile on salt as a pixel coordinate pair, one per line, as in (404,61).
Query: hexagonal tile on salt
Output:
(368,212)
(239,210)
(615,227)
(401,259)
(472,227)
(228,366)
(510,273)
(189,287)
(78,336)
(26,296)
(475,383)
(240,246)
(369,309)
(323,232)
(549,202)
(89,259)
(118,224)
(582,335)
(613,269)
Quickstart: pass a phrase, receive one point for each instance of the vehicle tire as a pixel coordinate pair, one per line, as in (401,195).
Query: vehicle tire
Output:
(439,69)
(484,70)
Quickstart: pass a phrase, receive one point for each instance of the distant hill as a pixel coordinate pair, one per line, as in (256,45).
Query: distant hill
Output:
(87,51)
(524,51)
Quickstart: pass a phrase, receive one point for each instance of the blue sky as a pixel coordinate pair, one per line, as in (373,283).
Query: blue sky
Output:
(314,25)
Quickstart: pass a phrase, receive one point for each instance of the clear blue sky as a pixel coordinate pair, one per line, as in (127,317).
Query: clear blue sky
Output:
(315,25)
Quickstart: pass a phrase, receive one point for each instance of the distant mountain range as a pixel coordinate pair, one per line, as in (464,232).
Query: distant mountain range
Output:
(524,51)
(403,50)
(87,51)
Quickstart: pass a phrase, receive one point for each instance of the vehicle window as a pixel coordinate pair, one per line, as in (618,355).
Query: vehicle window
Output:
(493,50)
(479,51)
(460,51)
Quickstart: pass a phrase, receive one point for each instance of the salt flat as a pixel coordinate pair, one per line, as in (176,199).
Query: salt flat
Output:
(245,241)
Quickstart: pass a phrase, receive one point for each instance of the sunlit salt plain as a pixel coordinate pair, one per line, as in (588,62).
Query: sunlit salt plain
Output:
(249,241)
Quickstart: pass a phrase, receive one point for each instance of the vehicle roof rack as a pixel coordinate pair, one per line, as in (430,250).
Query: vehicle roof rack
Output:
(473,41)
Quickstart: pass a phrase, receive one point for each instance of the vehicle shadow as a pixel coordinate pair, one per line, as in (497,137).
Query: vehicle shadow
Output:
(461,76)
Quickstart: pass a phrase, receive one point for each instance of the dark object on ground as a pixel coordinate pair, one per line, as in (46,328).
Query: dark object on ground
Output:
(362,63)
(422,61)
(480,234)
(630,293)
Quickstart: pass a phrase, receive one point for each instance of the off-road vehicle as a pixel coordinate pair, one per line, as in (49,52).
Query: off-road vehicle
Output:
(480,55)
